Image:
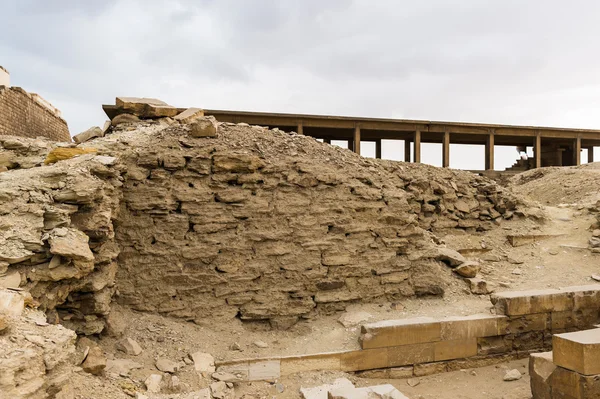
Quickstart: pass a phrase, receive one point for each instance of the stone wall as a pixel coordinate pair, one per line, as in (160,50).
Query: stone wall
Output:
(254,223)
(22,115)
(268,226)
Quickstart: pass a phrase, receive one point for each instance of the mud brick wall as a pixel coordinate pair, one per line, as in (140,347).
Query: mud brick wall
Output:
(423,345)
(21,115)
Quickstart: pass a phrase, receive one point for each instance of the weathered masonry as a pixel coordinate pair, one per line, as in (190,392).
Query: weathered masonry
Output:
(27,114)
(551,146)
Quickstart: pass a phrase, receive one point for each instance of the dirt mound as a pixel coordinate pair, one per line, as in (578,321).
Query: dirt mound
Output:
(565,185)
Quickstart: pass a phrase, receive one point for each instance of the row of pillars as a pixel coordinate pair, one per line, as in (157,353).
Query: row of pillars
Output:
(489,148)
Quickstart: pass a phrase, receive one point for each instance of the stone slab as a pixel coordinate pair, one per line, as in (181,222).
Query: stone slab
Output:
(518,240)
(400,332)
(474,326)
(455,349)
(578,351)
(269,370)
(518,303)
(411,354)
(366,359)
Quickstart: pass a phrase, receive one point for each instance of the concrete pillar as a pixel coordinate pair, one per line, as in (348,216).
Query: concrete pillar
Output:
(590,154)
(446,150)
(489,152)
(406,150)
(356,146)
(537,151)
(577,151)
(300,128)
(417,147)
(378,148)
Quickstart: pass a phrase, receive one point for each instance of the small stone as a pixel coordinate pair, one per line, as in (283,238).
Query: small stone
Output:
(10,280)
(596,277)
(235,347)
(261,344)
(225,376)
(351,319)
(3,323)
(174,384)
(468,269)
(129,346)
(204,127)
(166,365)
(479,286)
(95,362)
(89,134)
(153,383)
(596,233)
(203,362)
(219,390)
(397,306)
(515,261)
(512,375)
(279,386)
(517,271)
(594,242)
(553,252)
(413,382)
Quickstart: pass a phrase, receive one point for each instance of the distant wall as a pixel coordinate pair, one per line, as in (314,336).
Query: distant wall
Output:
(22,114)
(4,77)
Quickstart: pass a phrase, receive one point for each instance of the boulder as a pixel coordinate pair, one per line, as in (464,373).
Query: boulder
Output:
(153,383)
(203,362)
(89,134)
(479,286)
(166,365)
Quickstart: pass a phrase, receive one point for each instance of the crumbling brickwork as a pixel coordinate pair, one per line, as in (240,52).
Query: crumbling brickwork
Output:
(21,115)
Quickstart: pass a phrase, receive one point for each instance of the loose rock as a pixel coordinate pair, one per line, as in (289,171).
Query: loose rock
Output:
(512,375)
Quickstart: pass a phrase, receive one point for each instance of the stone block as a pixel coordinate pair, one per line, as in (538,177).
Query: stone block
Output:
(11,303)
(401,372)
(565,384)
(400,332)
(578,351)
(474,326)
(365,359)
(63,153)
(411,354)
(146,107)
(455,349)
(89,134)
(494,345)
(522,324)
(268,370)
(320,362)
(560,321)
(189,115)
(541,368)
(518,303)
(585,296)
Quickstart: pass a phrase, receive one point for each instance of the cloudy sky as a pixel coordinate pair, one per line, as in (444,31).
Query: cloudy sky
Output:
(532,62)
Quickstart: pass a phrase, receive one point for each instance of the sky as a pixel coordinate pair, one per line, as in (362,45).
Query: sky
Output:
(512,62)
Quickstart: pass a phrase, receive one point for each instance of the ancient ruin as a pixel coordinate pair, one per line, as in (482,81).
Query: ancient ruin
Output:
(187,253)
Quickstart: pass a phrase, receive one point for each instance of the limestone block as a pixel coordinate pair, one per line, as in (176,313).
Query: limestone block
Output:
(578,351)
(516,303)
(268,370)
(522,324)
(585,296)
(400,332)
(455,349)
(145,107)
(565,384)
(322,361)
(365,359)
(541,368)
(411,354)
(189,115)
(473,326)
